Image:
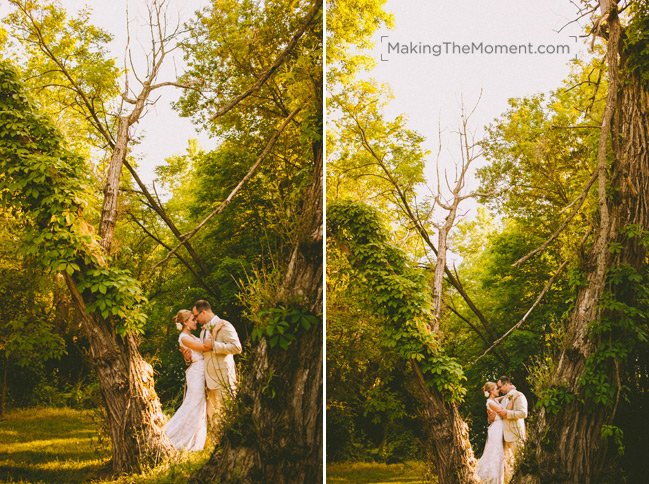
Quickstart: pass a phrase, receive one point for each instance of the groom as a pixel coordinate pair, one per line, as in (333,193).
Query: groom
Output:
(220,372)
(514,413)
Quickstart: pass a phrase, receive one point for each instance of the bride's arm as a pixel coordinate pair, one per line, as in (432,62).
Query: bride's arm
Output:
(494,407)
(194,344)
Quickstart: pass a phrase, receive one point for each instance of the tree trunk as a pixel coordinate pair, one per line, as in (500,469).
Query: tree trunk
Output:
(133,410)
(449,435)
(568,447)
(3,395)
(111,192)
(274,432)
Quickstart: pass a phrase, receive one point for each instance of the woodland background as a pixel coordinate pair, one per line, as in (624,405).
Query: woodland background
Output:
(424,305)
(94,263)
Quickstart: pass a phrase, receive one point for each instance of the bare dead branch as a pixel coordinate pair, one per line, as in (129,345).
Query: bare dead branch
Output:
(554,126)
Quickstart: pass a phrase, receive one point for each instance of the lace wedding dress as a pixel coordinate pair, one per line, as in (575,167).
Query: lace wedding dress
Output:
(491,466)
(187,429)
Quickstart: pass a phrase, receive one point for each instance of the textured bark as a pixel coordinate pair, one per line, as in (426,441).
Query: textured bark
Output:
(275,428)
(4,387)
(567,447)
(111,191)
(449,437)
(133,410)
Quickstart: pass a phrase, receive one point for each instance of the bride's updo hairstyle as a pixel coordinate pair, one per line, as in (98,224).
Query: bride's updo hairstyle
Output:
(181,318)
(488,388)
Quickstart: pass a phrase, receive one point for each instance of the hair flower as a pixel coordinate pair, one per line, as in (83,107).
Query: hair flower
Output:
(486,394)
(179,326)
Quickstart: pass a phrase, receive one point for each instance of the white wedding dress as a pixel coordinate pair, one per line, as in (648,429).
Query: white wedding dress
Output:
(187,429)
(491,466)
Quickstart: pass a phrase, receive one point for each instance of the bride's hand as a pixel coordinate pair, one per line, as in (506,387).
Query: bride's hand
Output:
(219,324)
(208,343)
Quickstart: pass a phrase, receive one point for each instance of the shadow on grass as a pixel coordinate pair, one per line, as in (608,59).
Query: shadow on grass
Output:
(52,446)
(28,473)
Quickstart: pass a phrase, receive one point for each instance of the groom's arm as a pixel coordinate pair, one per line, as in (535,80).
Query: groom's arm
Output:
(229,344)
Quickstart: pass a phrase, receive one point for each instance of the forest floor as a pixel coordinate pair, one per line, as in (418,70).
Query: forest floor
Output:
(375,473)
(62,446)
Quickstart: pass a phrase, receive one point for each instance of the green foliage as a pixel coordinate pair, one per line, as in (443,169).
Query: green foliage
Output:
(555,399)
(281,324)
(637,40)
(115,293)
(396,291)
(616,433)
(542,151)
(621,330)
(350,26)
(40,30)
(46,185)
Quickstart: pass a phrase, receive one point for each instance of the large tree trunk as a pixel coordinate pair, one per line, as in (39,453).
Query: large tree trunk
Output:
(449,436)
(567,447)
(3,394)
(275,429)
(133,410)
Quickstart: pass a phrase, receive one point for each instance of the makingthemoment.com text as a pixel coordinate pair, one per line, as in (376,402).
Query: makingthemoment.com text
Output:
(453,48)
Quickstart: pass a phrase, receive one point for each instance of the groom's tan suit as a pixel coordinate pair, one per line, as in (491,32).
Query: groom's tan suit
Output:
(220,372)
(514,431)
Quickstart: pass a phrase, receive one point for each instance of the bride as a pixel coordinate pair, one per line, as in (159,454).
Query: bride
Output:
(491,466)
(187,429)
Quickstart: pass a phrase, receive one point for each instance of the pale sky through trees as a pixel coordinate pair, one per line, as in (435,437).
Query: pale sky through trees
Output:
(429,88)
(164,133)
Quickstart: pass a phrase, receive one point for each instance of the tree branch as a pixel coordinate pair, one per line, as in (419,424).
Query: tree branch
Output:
(227,201)
(278,62)
(178,256)
(579,202)
(524,318)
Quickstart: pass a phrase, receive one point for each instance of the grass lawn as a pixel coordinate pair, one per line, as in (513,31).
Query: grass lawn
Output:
(373,473)
(60,446)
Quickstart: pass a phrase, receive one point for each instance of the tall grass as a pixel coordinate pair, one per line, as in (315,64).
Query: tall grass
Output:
(376,473)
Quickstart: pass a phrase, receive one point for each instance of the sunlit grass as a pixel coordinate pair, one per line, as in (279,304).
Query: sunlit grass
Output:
(375,473)
(52,446)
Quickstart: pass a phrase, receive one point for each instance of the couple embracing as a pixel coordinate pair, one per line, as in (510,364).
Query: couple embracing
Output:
(211,363)
(506,434)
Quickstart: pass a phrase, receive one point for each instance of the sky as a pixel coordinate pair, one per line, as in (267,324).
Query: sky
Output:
(429,88)
(163,132)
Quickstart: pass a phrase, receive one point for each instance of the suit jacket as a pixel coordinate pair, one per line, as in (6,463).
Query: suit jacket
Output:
(514,422)
(220,371)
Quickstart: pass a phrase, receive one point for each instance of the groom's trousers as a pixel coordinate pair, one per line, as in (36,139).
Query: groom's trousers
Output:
(216,400)
(215,403)
(512,449)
